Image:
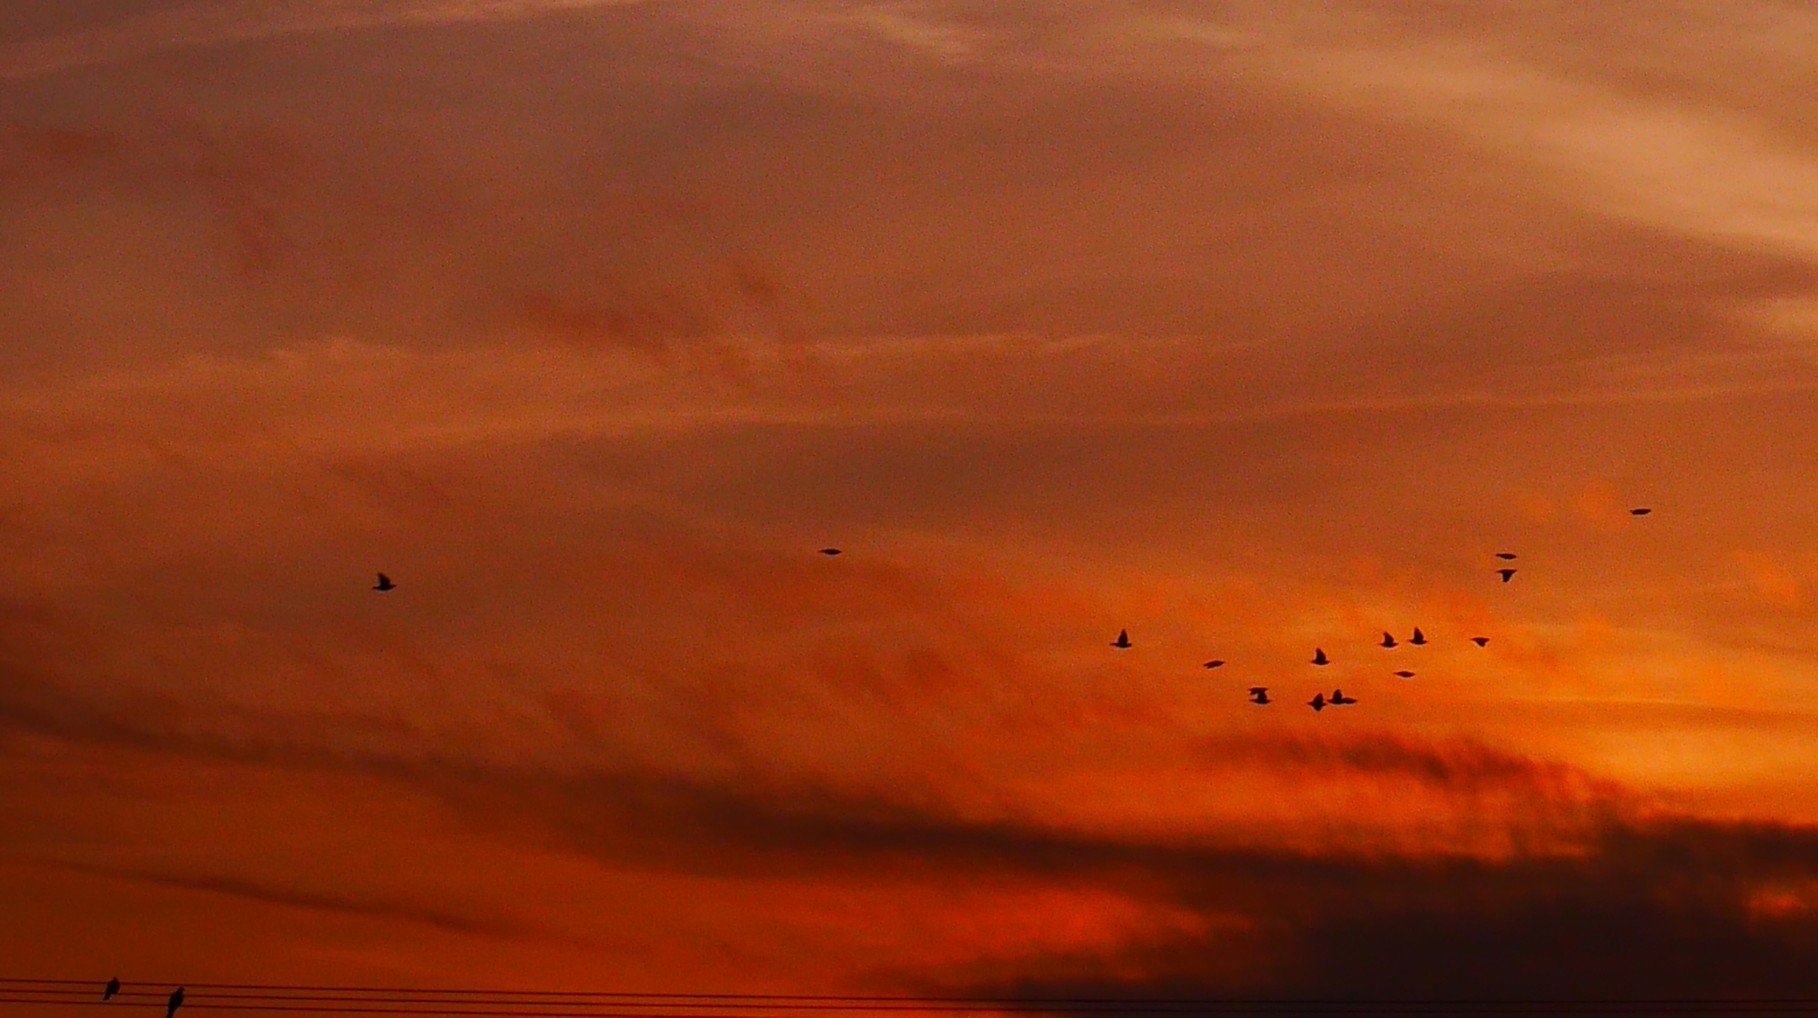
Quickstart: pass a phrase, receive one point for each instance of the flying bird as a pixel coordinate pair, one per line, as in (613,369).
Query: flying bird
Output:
(1318,702)
(1387,639)
(1419,639)
(1404,675)
(1506,556)
(830,552)
(1320,658)
(1123,640)
(1481,641)
(1506,574)
(176,1001)
(1215,663)
(1639,512)
(113,987)
(384,584)
(1339,699)
(1259,694)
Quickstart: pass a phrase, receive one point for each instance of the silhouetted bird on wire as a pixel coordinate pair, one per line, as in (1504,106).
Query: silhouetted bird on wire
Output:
(1387,639)
(1320,658)
(1123,640)
(1339,699)
(176,1001)
(1481,641)
(1404,675)
(1419,639)
(113,987)
(1318,702)
(1506,556)
(1259,694)
(1639,512)
(384,584)
(830,552)
(1215,663)
(1506,574)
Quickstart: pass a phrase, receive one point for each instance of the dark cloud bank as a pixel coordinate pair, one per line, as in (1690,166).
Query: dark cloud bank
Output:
(1605,900)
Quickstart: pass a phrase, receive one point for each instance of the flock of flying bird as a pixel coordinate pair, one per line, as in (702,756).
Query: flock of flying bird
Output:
(1320,700)
(1258,694)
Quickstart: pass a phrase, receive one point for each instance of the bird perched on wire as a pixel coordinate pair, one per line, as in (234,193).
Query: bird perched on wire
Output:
(384,584)
(1123,640)
(175,1001)
(1320,658)
(112,987)
(1318,702)
(1388,639)
(1419,639)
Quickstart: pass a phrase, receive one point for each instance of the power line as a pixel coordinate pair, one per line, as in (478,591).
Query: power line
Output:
(1208,1006)
(475,1003)
(1219,1007)
(289,991)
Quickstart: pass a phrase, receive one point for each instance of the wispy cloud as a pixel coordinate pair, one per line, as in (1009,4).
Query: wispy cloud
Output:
(228,21)
(1677,163)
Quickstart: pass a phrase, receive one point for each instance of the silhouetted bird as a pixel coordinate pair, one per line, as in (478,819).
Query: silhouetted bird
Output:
(830,551)
(1320,658)
(1259,694)
(1318,702)
(1387,639)
(1506,556)
(1419,639)
(384,583)
(1639,512)
(1123,639)
(1404,675)
(1215,663)
(1339,699)
(113,987)
(1481,641)
(176,1001)
(1506,574)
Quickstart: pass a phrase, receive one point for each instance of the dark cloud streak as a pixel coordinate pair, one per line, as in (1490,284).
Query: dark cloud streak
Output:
(1626,904)
(295,897)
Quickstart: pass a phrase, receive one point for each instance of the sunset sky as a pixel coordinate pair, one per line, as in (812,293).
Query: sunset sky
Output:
(1248,327)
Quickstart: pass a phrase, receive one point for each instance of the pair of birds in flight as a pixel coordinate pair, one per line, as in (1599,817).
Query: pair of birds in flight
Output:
(174,1001)
(385,583)
(1260,695)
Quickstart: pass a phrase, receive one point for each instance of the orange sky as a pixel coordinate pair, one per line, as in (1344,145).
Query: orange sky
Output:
(1245,326)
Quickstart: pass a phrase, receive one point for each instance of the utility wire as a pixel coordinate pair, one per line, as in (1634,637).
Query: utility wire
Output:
(1282,1007)
(1216,1007)
(474,1003)
(292,991)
